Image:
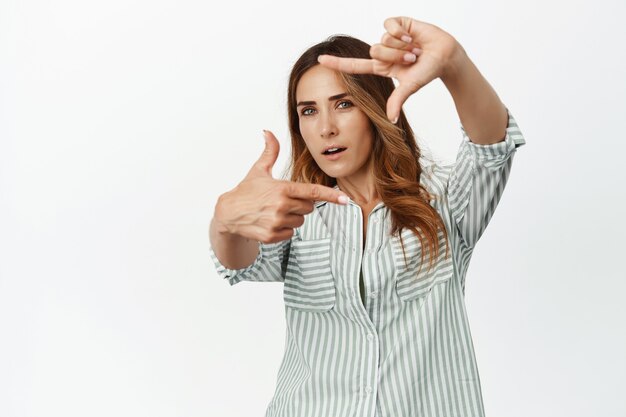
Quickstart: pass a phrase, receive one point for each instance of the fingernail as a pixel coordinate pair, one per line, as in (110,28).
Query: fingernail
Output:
(416,51)
(319,58)
(343,199)
(410,57)
(265,135)
(406,38)
(394,121)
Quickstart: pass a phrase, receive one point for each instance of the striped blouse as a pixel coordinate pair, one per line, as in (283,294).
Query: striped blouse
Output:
(404,348)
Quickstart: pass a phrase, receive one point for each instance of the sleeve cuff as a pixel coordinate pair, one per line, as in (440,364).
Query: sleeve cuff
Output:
(472,157)
(232,274)
(513,139)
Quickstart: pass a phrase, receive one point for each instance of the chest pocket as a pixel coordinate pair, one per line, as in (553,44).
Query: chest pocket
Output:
(411,284)
(309,283)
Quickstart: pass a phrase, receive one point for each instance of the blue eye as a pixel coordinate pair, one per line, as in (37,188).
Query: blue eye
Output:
(309,111)
(349,104)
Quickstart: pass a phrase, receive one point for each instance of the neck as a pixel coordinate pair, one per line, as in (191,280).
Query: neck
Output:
(360,188)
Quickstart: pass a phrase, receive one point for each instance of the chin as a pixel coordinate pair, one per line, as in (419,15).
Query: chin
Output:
(336,172)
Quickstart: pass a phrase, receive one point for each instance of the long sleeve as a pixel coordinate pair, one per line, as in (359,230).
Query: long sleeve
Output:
(269,266)
(477,181)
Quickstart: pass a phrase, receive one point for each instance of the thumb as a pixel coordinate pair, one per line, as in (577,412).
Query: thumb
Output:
(266,161)
(395,101)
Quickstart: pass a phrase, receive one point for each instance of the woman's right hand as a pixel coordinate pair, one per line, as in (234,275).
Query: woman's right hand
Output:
(265,209)
(411,51)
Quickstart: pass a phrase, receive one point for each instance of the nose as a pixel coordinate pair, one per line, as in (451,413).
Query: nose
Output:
(328,127)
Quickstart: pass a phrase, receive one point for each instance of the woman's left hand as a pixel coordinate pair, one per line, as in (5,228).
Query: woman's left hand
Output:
(412,52)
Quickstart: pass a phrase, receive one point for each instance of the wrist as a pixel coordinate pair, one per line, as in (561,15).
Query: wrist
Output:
(219,224)
(220,228)
(456,66)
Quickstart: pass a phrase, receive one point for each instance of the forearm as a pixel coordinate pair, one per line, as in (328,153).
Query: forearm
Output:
(483,115)
(233,251)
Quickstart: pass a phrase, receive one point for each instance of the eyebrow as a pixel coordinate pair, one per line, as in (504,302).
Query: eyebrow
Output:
(331,98)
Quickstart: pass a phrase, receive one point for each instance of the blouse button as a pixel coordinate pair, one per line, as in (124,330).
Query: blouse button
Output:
(368,390)
(370,337)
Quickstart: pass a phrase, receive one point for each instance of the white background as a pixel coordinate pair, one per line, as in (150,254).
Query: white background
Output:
(122,121)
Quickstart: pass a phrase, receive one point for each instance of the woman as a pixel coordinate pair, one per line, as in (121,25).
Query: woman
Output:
(403,348)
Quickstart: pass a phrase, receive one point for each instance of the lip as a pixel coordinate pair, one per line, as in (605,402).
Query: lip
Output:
(332,145)
(335,156)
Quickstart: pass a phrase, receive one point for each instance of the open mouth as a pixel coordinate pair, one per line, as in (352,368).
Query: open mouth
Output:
(333,151)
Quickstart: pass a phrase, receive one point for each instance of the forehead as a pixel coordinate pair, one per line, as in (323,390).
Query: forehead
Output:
(319,82)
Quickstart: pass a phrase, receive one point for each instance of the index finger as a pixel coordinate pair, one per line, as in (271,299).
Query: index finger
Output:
(349,65)
(315,192)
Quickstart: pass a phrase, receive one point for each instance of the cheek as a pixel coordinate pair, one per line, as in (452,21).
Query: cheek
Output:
(364,131)
(307,143)
(359,122)
(306,130)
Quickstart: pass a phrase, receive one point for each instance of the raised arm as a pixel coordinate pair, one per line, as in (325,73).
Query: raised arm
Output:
(483,116)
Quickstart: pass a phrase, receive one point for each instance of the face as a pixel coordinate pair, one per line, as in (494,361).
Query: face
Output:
(329,119)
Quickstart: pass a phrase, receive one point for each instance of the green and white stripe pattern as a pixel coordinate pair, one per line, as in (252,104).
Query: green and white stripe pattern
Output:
(406,349)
